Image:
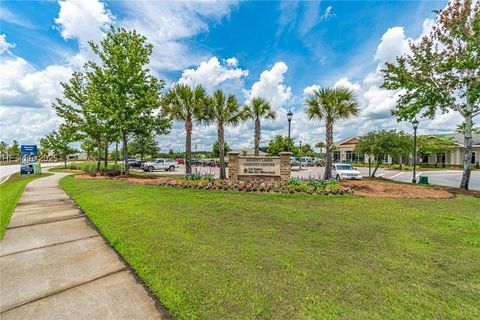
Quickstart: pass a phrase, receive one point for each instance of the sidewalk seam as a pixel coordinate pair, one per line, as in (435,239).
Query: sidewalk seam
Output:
(63,290)
(50,245)
(81,215)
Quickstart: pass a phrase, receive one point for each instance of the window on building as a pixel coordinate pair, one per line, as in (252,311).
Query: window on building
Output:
(349,157)
(474,158)
(358,157)
(336,156)
(441,158)
(424,158)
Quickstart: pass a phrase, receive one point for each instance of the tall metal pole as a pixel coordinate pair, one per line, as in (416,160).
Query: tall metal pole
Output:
(300,155)
(414,178)
(289,141)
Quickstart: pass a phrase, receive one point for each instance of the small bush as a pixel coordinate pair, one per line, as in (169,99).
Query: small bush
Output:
(195,176)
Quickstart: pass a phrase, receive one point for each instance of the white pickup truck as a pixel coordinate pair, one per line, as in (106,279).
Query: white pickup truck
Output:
(160,164)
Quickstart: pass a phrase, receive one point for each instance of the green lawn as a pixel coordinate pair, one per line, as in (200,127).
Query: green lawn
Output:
(220,255)
(10,192)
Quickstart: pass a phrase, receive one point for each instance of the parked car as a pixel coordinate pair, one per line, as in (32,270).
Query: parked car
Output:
(294,162)
(196,162)
(210,163)
(307,161)
(134,163)
(345,171)
(160,164)
(319,162)
(180,161)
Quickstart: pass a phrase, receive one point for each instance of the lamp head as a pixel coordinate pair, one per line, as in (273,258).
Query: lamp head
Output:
(415,124)
(289,115)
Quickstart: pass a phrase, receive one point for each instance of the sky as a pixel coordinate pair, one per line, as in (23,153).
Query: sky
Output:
(279,50)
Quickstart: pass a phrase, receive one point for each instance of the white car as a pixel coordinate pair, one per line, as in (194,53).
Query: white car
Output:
(160,164)
(345,171)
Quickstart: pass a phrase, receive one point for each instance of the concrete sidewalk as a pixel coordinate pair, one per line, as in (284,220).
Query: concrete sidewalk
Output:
(55,265)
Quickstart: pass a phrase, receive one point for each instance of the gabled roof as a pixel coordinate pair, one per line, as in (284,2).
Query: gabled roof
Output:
(340,142)
(458,137)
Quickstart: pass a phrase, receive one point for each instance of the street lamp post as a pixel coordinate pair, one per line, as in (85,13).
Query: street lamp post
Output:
(289,117)
(300,155)
(415,127)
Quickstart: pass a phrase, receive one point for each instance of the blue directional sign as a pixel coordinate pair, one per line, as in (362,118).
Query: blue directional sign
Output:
(28,154)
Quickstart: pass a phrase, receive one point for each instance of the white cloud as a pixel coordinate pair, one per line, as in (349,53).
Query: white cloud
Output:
(23,86)
(83,20)
(211,74)
(4,45)
(169,25)
(344,82)
(310,89)
(327,14)
(233,62)
(10,17)
(394,43)
(271,86)
(27,94)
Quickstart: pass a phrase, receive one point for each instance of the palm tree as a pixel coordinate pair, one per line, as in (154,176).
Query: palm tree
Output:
(186,104)
(223,111)
(258,109)
(330,105)
(320,145)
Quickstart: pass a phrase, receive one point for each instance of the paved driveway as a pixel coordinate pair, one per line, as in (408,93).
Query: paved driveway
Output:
(7,170)
(449,178)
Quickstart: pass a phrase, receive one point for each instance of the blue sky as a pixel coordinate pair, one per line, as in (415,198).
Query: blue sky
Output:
(296,45)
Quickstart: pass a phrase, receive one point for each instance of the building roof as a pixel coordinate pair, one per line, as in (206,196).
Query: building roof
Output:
(457,137)
(339,142)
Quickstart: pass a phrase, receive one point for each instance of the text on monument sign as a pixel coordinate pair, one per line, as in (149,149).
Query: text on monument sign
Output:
(259,166)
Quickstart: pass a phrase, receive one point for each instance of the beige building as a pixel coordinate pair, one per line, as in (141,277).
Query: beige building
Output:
(345,152)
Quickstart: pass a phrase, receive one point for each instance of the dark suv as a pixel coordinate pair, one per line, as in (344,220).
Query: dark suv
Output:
(134,163)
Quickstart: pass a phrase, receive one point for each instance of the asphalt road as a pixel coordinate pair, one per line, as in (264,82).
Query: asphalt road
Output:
(449,178)
(7,170)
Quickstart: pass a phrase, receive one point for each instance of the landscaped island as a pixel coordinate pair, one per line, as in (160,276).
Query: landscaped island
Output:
(228,255)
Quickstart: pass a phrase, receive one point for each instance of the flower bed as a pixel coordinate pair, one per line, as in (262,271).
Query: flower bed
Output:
(310,186)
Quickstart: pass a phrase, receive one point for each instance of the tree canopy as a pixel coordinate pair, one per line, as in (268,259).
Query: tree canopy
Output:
(59,142)
(441,72)
(280,144)
(433,144)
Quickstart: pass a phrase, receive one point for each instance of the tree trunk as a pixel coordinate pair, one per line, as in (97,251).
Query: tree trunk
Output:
(65,161)
(116,152)
(376,167)
(256,137)
(401,163)
(467,160)
(188,146)
(221,150)
(125,154)
(105,160)
(99,155)
(329,143)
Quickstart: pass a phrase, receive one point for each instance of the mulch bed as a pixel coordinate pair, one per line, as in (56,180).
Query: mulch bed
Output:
(387,189)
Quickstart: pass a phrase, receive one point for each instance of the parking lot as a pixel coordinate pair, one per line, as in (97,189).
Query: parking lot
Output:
(449,178)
